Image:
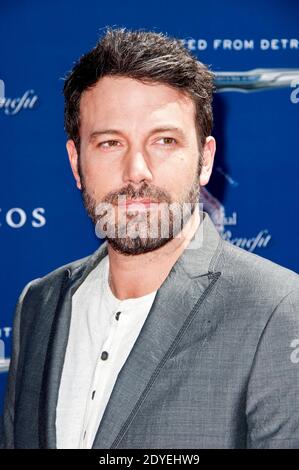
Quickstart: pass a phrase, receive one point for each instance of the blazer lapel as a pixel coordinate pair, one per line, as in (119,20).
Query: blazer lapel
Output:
(57,347)
(178,299)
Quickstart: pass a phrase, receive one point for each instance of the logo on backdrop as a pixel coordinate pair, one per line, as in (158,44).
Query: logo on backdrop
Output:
(225,222)
(257,79)
(237,44)
(12,106)
(16,217)
(247,81)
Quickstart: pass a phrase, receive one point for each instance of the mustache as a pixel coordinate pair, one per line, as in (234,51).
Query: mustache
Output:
(144,192)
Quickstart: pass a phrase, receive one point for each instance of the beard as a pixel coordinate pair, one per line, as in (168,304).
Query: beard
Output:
(134,231)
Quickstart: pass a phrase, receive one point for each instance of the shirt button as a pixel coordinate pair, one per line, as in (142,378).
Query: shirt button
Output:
(104,355)
(117,315)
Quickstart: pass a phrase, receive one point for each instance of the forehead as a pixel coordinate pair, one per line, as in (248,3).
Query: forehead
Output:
(126,101)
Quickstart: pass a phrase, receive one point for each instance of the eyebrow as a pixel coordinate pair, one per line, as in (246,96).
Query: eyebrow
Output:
(99,132)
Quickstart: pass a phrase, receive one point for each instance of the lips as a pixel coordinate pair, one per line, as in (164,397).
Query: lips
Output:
(144,202)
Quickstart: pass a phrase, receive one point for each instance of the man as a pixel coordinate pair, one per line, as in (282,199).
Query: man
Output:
(176,341)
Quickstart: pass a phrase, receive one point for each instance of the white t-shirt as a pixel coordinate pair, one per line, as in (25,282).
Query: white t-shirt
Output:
(102,333)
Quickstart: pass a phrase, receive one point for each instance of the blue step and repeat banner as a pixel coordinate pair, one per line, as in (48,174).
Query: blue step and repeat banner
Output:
(252,46)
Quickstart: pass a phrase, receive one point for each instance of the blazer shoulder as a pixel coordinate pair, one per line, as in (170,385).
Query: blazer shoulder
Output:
(253,271)
(57,274)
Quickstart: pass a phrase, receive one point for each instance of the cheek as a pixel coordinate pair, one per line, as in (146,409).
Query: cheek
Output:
(181,171)
(100,181)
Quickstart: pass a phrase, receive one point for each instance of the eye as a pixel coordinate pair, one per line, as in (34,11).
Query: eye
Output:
(167,140)
(108,144)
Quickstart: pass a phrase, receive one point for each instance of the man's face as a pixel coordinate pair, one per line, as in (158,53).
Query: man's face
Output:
(138,141)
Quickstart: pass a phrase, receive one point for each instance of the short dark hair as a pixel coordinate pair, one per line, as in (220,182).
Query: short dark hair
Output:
(145,56)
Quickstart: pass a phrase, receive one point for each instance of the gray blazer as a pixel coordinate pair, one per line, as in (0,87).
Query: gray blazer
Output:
(216,364)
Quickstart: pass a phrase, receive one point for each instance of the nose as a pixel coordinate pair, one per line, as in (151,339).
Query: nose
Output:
(136,168)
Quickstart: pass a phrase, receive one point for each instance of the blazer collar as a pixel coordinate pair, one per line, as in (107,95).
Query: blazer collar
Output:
(178,299)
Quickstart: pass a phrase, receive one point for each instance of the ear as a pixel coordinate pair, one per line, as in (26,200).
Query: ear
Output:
(73,158)
(207,160)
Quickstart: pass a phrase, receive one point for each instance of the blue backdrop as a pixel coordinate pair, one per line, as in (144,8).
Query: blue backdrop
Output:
(252,195)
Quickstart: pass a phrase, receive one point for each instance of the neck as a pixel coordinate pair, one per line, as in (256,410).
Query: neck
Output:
(136,276)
